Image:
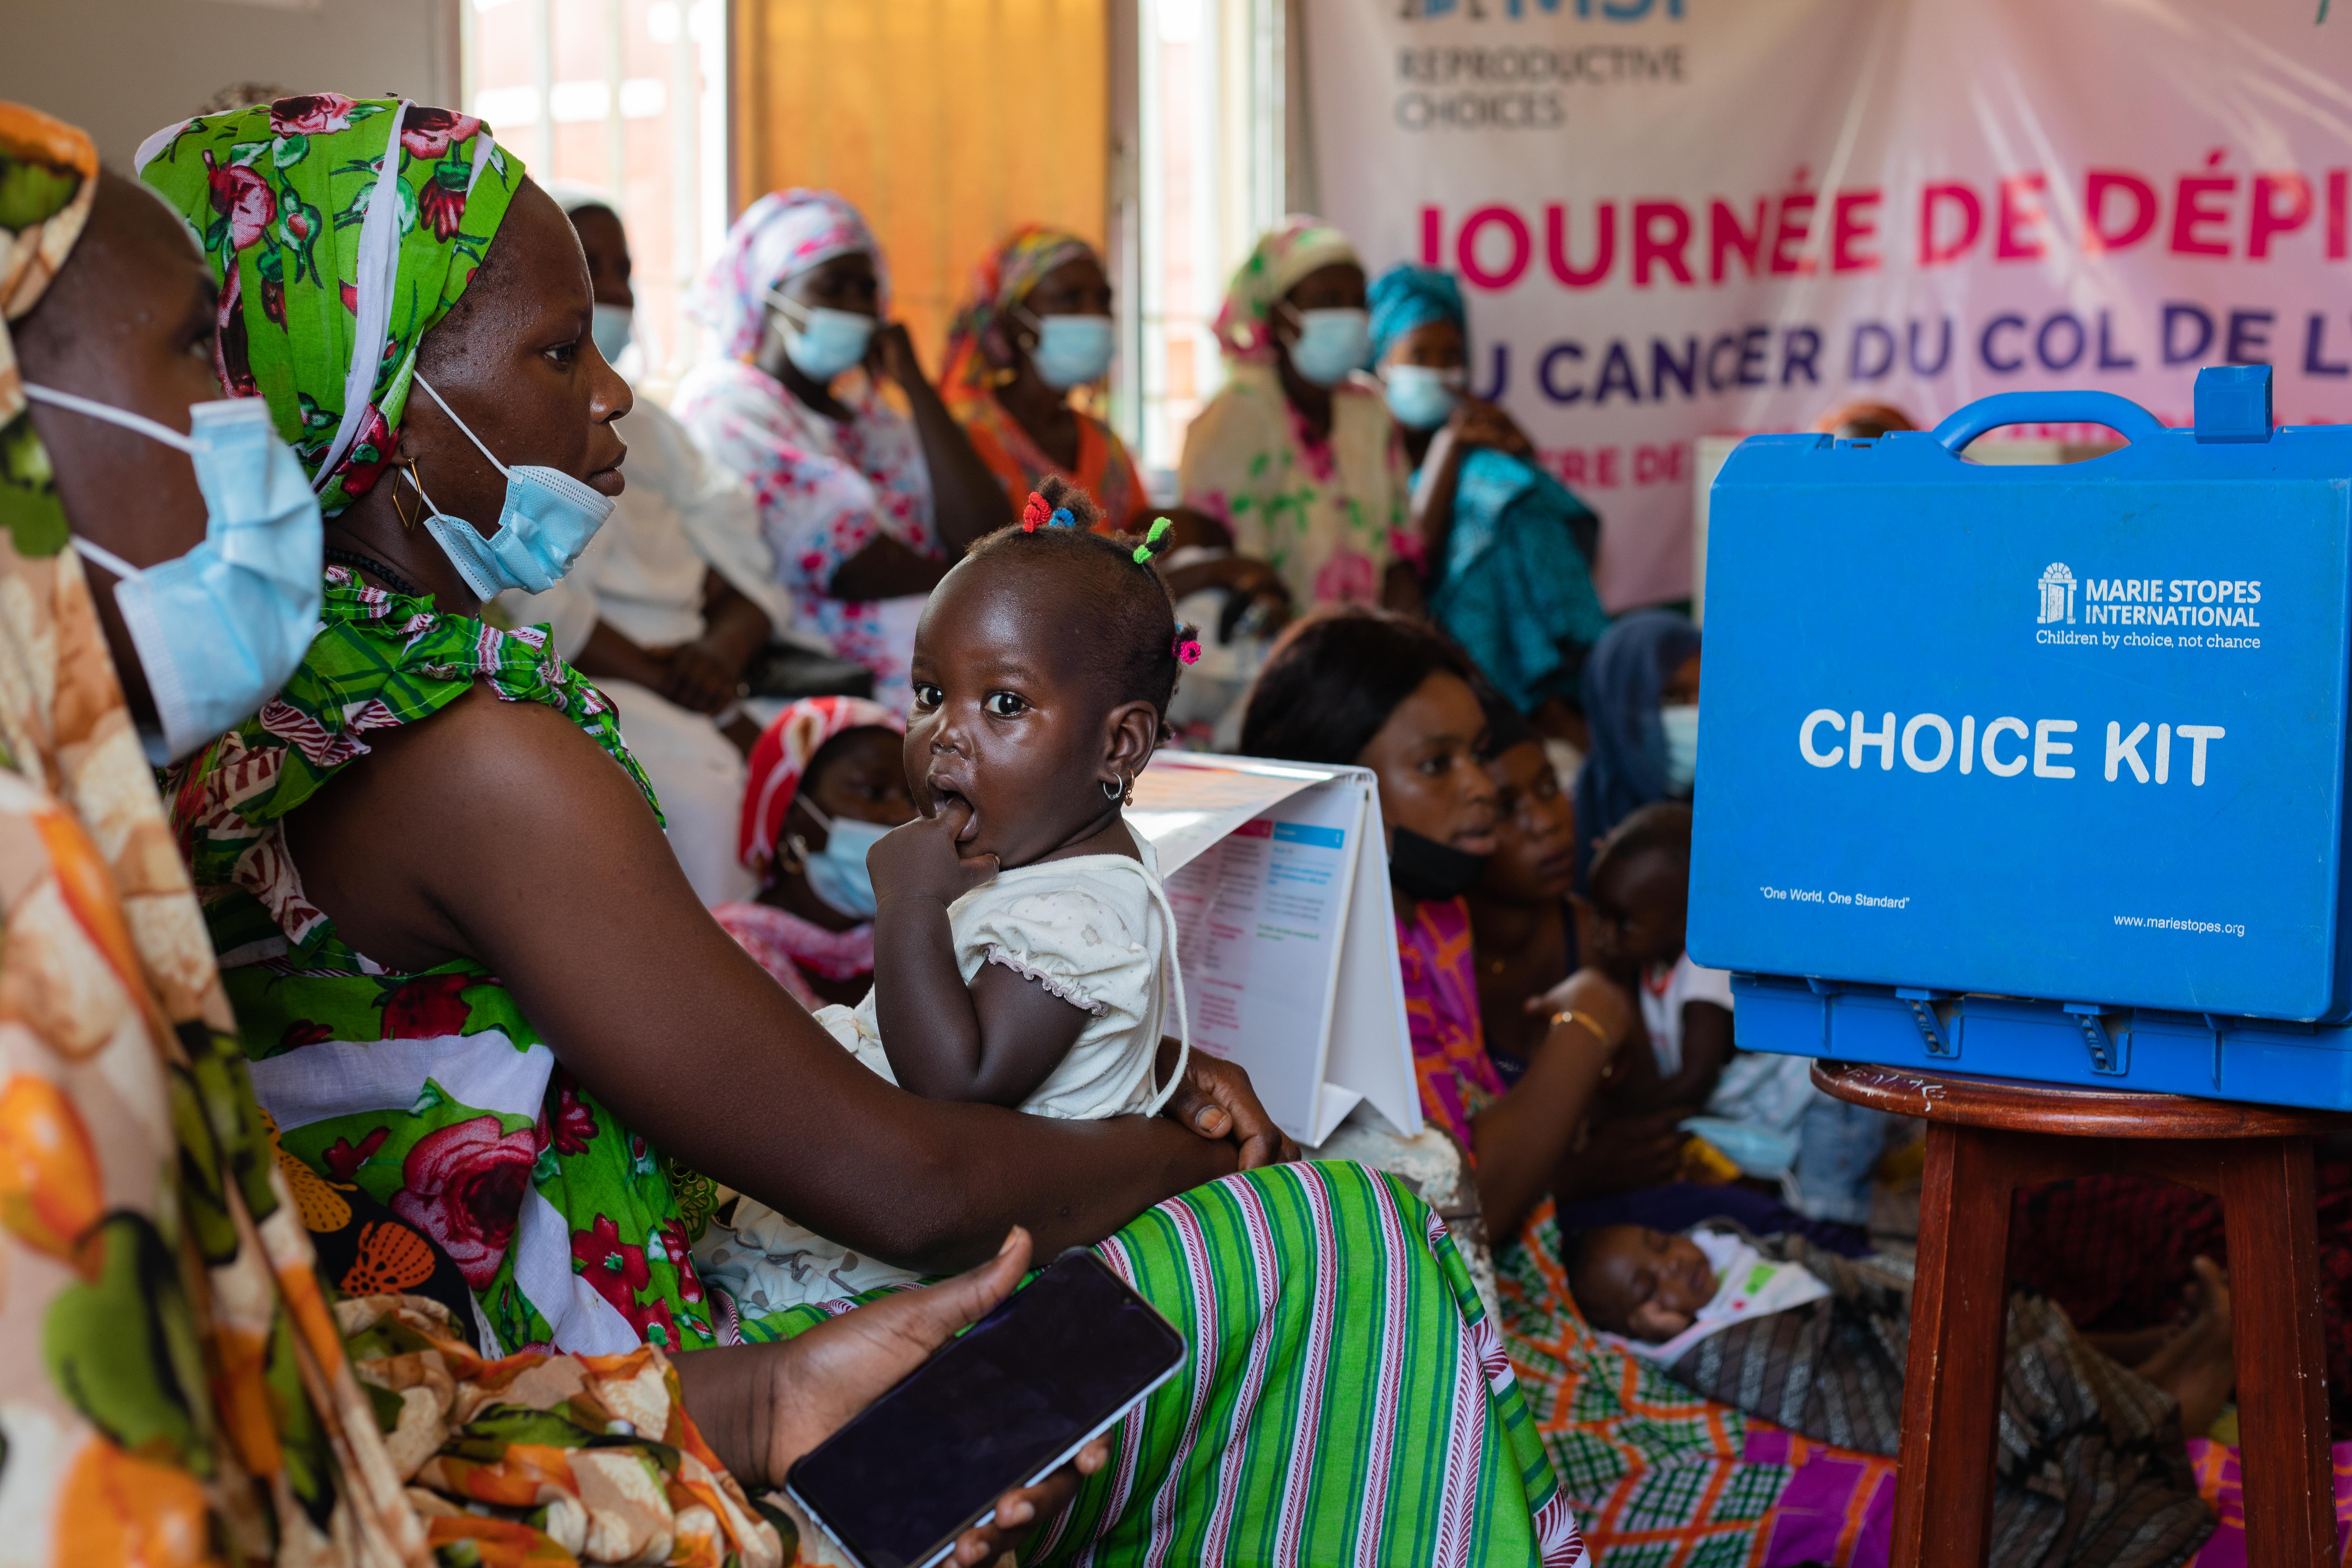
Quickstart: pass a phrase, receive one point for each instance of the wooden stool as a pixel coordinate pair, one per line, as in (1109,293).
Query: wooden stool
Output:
(1986,1137)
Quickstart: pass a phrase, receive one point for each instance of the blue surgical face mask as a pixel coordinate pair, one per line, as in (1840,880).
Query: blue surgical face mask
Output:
(1422,396)
(1681,722)
(836,873)
(548,520)
(612,327)
(219,629)
(1330,345)
(1071,350)
(821,342)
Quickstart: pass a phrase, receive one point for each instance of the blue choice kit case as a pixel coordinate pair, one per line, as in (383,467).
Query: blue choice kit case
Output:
(2036,771)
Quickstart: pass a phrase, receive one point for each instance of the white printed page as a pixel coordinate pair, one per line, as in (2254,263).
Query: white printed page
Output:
(1260,919)
(1184,802)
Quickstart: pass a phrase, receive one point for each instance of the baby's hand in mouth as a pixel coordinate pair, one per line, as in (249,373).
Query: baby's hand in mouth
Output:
(920,860)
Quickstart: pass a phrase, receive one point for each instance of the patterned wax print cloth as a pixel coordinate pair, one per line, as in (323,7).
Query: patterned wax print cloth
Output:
(180,1384)
(825,490)
(2089,1468)
(1320,1301)
(431,1092)
(1657,1475)
(1326,512)
(574,1233)
(1105,470)
(1511,578)
(1458,1078)
(330,276)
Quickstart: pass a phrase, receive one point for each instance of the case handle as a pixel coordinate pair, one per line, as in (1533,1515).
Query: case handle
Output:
(2116,413)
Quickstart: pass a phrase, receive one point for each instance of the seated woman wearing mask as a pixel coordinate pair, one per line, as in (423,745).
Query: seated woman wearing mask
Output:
(826,782)
(1509,549)
(1641,708)
(183,1371)
(671,600)
(1037,327)
(1296,454)
(864,510)
(473,981)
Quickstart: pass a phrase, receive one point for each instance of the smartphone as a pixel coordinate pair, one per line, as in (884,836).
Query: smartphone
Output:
(1004,1405)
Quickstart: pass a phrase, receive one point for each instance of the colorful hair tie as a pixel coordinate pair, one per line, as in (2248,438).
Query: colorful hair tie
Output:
(1187,650)
(1062,518)
(1032,514)
(1153,543)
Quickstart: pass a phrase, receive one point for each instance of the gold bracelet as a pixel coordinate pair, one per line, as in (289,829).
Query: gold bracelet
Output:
(1585,1020)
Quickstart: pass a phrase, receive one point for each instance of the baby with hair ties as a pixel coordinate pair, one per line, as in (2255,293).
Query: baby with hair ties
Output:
(1024,948)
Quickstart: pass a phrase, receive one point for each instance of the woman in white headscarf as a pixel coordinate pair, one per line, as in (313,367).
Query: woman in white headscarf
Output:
(672,599)
(865,507)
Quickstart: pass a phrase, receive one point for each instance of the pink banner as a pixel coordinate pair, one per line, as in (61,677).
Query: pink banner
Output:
(1672,218)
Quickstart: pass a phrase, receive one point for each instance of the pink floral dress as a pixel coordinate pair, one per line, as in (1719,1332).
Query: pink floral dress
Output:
(825,492)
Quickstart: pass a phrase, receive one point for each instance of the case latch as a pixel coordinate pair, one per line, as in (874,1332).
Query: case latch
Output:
(1934,1023)
(2110,1047)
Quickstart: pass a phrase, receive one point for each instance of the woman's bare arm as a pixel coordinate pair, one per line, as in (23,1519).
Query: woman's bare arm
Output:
(499,831)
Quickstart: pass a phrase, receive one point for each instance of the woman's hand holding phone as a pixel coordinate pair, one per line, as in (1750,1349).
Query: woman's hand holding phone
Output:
(760,1418)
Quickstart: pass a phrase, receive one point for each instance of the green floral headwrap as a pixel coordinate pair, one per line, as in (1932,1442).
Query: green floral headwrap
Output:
(327,278)
(48,176)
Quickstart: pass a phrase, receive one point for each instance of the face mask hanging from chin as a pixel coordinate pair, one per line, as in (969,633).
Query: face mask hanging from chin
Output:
(219,629)
(1423,867)
(837,874)
(548,520)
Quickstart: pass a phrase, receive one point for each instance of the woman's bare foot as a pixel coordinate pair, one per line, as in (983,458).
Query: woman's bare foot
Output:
(2195,1366)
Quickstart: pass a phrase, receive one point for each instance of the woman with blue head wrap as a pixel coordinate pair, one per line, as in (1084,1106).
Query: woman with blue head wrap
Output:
(1641,692)
(1507,549)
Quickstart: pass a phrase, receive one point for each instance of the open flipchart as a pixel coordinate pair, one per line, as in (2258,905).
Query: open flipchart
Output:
(1278,875)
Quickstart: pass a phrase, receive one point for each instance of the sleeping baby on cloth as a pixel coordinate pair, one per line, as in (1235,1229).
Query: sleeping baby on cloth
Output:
(2091,1467)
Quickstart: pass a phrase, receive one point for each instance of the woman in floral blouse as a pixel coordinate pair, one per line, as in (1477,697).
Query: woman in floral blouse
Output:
(1297,454)
(865,507)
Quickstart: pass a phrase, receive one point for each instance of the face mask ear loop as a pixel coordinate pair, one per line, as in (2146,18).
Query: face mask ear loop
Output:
(106,558)
(419,377)
(112,416)
(795,314)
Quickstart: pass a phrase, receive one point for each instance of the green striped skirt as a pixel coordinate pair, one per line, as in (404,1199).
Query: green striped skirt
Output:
(1346,1400)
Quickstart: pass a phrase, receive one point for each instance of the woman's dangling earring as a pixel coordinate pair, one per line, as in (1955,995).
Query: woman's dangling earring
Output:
(408,523)
(1127,791)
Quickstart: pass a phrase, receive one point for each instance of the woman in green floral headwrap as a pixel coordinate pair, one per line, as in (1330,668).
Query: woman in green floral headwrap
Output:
(458,941)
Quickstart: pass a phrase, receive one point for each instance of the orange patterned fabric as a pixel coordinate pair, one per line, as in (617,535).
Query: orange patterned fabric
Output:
(1105,470)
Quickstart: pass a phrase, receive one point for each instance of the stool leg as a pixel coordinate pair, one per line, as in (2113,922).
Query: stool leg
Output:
(1959,1331)
(2273,1218)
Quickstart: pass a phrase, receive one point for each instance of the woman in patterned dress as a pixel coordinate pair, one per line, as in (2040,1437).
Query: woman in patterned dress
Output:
(212,1353)
(865,506)
(472,980)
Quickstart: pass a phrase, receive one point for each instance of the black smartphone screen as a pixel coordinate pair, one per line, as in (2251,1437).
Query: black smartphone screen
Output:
(1058,1361)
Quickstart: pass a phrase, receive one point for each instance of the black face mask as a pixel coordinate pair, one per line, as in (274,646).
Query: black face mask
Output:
(1424,868)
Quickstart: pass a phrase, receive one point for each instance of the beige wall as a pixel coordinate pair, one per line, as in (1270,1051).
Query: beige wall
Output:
(947,121)
(120,69)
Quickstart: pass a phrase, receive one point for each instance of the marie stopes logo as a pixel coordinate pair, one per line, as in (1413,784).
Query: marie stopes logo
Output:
(2062,600)
(2057,588)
